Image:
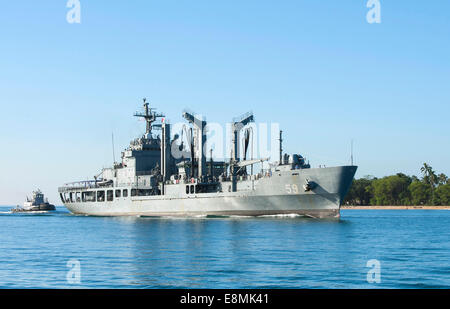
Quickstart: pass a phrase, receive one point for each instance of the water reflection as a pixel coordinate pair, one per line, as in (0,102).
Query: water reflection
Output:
(412,246)
(196,253)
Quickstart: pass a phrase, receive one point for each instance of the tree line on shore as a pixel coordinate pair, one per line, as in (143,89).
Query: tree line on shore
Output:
(431,189)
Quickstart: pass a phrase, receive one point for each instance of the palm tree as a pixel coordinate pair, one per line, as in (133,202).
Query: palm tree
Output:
(429,177)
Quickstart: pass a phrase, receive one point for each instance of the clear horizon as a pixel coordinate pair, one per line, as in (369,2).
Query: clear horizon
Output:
(320,70)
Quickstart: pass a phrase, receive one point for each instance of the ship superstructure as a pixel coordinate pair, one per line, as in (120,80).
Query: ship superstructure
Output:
(161,176)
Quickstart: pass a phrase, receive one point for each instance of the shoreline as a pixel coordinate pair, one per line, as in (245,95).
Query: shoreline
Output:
(397,207)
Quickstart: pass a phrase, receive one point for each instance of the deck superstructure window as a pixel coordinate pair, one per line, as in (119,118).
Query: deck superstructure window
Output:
(133,192)
(78,197)
(118,193)
(62,198)
(192,189)
(187,189)
(125,192)
(88,196)
(110,195)
(100,196)
(72,198)
(144,192)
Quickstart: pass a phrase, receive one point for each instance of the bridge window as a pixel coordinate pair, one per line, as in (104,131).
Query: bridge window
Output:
(100,196)
(110,195)
(118,193)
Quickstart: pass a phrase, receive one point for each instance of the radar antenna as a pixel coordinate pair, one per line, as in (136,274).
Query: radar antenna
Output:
(150,117)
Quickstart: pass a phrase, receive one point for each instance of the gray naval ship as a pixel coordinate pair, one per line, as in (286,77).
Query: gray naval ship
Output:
(153,179)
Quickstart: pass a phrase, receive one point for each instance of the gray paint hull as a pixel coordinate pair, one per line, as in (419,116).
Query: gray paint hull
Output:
(282,193)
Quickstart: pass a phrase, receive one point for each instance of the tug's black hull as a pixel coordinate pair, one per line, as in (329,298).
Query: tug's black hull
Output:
(41,207)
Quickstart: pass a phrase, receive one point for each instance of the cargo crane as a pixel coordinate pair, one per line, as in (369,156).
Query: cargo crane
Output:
(199,143)
(236,126)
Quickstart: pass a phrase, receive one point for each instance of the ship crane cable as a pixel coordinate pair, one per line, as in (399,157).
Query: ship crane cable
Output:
(190,140)
(245,141)
(237,125)
(199,142)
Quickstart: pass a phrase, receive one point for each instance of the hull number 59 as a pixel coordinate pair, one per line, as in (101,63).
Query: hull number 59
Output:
(291,189)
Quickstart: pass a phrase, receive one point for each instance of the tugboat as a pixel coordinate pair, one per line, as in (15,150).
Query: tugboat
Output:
(36,203)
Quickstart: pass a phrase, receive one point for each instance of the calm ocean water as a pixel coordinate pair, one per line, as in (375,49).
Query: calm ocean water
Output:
(412,247)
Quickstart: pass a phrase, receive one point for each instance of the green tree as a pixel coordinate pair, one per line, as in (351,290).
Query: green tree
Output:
(360,193)
(420,193)
(442,179)
(391,190)
(430,178)
(415,178)
(443,195)
(401,189)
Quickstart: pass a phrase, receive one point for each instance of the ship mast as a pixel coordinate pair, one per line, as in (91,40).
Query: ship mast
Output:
(150,116)
(281,148)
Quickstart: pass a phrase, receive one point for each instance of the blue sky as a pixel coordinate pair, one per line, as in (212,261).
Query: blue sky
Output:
(316,67)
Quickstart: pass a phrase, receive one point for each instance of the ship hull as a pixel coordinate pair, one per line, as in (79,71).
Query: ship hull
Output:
(281,193)
(35,208)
